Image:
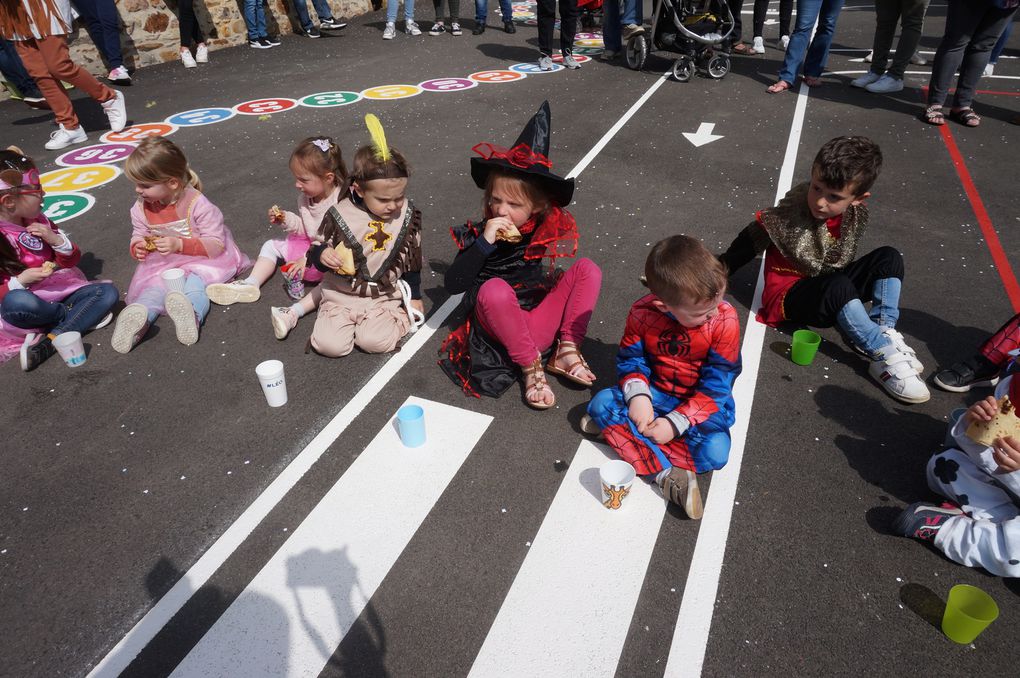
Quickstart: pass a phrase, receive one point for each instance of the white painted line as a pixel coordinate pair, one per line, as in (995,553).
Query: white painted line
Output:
(162,612)
(690,636)
(568,610)
(294,613)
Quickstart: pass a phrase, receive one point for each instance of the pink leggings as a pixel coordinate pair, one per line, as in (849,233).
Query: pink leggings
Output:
(565,311)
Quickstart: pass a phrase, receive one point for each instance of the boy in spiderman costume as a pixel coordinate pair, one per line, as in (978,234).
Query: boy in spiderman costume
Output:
(671,412)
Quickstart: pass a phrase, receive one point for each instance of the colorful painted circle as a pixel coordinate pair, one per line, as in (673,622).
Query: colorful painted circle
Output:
(588,50)
(579,58)
(391,92)
(586,36)
(496,77)
(97,154)
(589,42)
(63,206)
(531,22)
(326,99)
(201,116)
(448,84)
(78,178)
(135,133)
(533,68)
(265,106)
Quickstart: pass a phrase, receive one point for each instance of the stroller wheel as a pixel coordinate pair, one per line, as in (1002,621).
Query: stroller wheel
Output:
(718,66)
(683,69)
(637,52)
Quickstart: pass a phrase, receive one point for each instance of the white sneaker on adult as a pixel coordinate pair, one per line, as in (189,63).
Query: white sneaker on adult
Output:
(784,42)
(63,138)
(918,60)
(545,63)
(887,84)
(119,76)
(187,59)
(390,31)
(202,53)
(411,28)
(758,45)
(865,80)
(115,111)
(897,376)
(989,70)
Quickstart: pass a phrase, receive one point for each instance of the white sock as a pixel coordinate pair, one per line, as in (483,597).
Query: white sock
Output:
(298,309)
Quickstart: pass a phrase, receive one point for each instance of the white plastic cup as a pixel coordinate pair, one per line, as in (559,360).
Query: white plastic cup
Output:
(616,478)
(274,386)
(70,348)
(173,279)
(411,425)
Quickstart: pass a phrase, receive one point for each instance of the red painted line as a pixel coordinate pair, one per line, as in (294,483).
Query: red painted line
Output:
(997,92)
(1002,264)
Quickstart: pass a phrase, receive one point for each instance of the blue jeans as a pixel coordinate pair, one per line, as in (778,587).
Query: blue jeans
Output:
(865,327)
(321,8)
(80,311)
(194,289)
(393,5)
(14,71)
(612,21)
(826,12)
(103,24)
(255,19)
(482,11)
(1001,44)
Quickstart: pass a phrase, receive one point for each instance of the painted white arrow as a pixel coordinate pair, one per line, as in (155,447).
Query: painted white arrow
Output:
(703,135)
(771,22)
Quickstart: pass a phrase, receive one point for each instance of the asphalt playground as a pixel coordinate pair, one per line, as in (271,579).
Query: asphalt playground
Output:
(157,518)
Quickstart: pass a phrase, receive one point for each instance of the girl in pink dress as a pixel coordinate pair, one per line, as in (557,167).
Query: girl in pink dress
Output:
(42,292)
(174,226)
(319,176)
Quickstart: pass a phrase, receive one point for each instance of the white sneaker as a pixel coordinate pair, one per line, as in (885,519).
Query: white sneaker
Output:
(284,320)
(898,344)
(865,80)
(545,63)
(887,84)
(411,28)
(989,70)
(187,59)
(390,31)
(115,111)
(758,45)
(234,292)
(131,325)
(896,375)
(918,60)
(202,53)
(784,42)
(63,138)
(182,313)
(589,427)
(119,76)
(103,322)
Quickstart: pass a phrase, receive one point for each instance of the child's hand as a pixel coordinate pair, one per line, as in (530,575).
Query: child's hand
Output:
(660,431)
(139,251)
(167,244)
(983,410)
(640,412)
(493,226)
(330,259)
(30,276)
(44,232)
(1006,453)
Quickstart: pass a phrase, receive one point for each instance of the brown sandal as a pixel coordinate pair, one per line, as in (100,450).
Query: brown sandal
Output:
(566,349)
(535,384)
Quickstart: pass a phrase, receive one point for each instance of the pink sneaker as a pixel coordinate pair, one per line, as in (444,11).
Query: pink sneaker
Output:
(284,320)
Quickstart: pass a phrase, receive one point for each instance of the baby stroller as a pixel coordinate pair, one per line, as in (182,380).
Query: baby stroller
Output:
(695,29)
(591,13)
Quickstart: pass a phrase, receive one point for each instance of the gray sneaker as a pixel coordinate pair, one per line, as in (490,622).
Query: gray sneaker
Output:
(545,63)
(570,62)
(411,28)
(390,31)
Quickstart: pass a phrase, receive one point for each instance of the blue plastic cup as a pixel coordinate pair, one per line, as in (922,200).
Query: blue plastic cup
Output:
(411,425)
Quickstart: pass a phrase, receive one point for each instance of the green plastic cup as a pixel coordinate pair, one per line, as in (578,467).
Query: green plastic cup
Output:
(969,610)
(805,345)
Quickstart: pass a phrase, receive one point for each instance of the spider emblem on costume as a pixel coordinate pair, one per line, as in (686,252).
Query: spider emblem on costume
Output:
(675,342)
(378,236)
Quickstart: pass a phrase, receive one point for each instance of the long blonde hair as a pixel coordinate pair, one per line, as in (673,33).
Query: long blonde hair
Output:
(157,160)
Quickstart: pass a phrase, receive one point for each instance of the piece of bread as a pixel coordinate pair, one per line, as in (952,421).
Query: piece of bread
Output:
(511,234)
(49,266)
(346,260)
(1004,423)
(276,214)
(150,243)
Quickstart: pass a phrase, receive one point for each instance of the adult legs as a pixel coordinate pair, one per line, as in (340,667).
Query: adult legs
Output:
(887,15)
(322,9)
(818,53)
(568,25)
(191,33)
(103,24)
(975,57)
(48,62)
(807,13)
(1000,45)
(962,19)
(481,11)
(301,8)
(14,71)
(546,25)
(255,19)
(911,22)
(611,25)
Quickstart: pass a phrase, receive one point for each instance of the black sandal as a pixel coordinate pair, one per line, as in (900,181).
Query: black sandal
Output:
(933,115)
(966,117)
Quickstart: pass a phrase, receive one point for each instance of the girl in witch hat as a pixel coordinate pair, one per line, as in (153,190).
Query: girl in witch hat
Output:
(520,302)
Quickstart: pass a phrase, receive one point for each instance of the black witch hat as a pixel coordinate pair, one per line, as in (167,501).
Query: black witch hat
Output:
(529,155)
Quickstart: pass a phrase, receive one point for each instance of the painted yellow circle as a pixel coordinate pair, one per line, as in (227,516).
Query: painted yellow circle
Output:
(391,92)
(589,42)
(78,178)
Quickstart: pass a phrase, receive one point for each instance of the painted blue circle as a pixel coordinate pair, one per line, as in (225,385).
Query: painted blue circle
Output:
(200,116)
(533,68)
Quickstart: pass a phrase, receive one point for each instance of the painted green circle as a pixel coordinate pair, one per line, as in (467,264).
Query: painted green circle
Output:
(327,99)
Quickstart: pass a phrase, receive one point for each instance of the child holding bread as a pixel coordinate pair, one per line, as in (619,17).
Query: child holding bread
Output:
(979,526)
(319,176)
(369,252)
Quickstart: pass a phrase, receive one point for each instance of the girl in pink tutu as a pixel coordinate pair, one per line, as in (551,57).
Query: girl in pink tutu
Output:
(174,226)
(319,176)
(42,292)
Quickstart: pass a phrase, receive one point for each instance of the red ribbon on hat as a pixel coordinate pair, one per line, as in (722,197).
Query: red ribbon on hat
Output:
(520,155)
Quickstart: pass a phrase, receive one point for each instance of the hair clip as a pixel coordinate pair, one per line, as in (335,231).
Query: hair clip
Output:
(323,144)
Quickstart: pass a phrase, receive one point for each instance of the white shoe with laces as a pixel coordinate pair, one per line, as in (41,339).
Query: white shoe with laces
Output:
(64,137)
(187,59)
(865,80)
(284,320)
(202,53)
(758,45)
(390,31)
(116,111)
(119,76)
(784,42)
(234,292)
(411,28)
(887,84)
(545,63)
(989,70)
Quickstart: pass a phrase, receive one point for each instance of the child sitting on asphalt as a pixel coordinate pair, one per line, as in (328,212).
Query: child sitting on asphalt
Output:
(984,367)
(811,276)
(671,413)
(980,526)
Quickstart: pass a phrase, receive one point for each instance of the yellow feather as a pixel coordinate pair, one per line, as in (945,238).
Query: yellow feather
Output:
(375,130)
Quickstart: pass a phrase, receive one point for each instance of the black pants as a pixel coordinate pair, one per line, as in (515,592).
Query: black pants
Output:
(785,13)
(547,21)
(735,6)
(190,32)
(817,301)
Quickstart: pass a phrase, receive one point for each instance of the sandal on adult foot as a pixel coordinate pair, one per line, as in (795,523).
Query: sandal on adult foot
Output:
(778,87)
(575,368)
(966,116)
(933,115)
(812,81)
(535,386)
(742,48)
